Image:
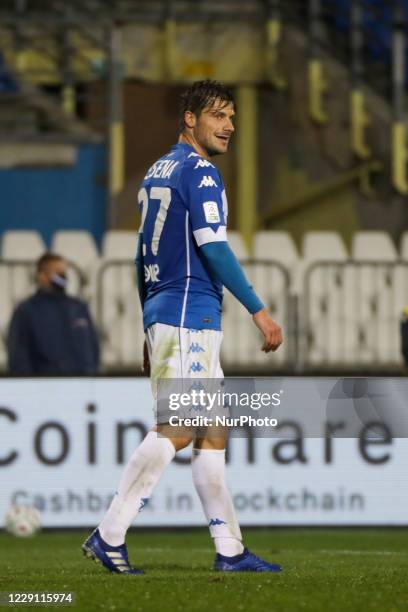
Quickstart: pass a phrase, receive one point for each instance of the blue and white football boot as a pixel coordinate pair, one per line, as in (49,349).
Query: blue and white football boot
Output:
(114,558)
(245,562)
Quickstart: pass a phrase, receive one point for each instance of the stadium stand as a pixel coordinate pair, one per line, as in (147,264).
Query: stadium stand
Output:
(372,246)
(347,308)
(404,246)
(7,82)
(119,244)
(377,328)
(118,308)
(238,245)
(79,248)
(318,245)
(328,332)
(279,247)
(272,281)
(22,244)
(401,278)
(234,347)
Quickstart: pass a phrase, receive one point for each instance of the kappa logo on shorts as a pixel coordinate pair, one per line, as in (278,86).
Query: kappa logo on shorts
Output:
(195,348)
(196,366)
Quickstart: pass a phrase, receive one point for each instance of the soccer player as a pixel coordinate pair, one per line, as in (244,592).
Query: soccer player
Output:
(183,262)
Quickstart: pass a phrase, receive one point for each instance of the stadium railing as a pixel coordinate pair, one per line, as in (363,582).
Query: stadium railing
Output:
(118,315)
(350,314)
(344,315)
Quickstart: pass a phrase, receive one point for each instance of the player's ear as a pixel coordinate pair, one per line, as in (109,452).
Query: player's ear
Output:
(189,119)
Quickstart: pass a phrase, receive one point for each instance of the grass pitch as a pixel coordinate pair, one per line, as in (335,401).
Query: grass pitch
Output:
(324,570)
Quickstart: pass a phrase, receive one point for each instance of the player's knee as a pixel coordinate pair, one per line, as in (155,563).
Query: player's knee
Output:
(210,443)
(181,442)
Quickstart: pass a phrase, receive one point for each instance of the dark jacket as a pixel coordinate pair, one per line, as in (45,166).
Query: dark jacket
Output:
(52,333)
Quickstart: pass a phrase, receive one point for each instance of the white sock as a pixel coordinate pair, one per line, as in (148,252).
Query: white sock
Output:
(208,468)
(138,480)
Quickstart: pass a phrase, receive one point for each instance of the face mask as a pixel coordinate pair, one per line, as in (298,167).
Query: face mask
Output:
(59,282)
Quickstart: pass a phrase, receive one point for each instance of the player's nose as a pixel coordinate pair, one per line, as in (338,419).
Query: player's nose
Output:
(230,126)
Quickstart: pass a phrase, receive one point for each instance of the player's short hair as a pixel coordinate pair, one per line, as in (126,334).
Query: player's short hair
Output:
(202,94)
(45,259)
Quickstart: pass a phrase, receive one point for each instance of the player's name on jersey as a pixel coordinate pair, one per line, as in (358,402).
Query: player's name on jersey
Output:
(222,421)
(162,169)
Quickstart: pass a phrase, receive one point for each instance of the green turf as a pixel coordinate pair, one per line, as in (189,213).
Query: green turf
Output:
(324,570)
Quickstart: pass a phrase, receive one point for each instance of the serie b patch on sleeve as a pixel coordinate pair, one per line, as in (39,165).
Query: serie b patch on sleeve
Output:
(211,212)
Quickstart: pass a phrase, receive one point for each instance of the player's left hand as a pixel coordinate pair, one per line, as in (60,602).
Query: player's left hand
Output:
(146,360)
(272,332)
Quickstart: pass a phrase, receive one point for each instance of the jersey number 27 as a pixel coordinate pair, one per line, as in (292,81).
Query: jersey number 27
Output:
(163,194)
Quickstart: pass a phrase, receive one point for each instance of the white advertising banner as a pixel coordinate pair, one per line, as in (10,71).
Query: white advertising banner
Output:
(64,442)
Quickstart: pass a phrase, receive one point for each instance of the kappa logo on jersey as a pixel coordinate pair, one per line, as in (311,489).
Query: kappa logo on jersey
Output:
(211,212)
(203,163)
(207,181)
(152,272)
(195,348)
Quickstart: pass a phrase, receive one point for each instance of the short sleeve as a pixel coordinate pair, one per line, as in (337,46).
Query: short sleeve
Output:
(204,196)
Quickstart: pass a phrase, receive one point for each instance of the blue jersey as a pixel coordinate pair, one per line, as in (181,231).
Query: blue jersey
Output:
(183,206)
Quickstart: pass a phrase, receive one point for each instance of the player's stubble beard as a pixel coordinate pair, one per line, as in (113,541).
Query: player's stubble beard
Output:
(209,148)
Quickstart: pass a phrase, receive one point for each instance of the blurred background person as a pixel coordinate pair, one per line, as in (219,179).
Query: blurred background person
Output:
(52,333)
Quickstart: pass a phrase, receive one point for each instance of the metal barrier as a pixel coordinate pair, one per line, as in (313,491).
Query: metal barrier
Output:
(241,348)
(120,320)
(119,316)
(350,314)
(347,317)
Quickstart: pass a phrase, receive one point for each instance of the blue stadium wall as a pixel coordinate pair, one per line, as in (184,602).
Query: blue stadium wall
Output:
(57,198)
